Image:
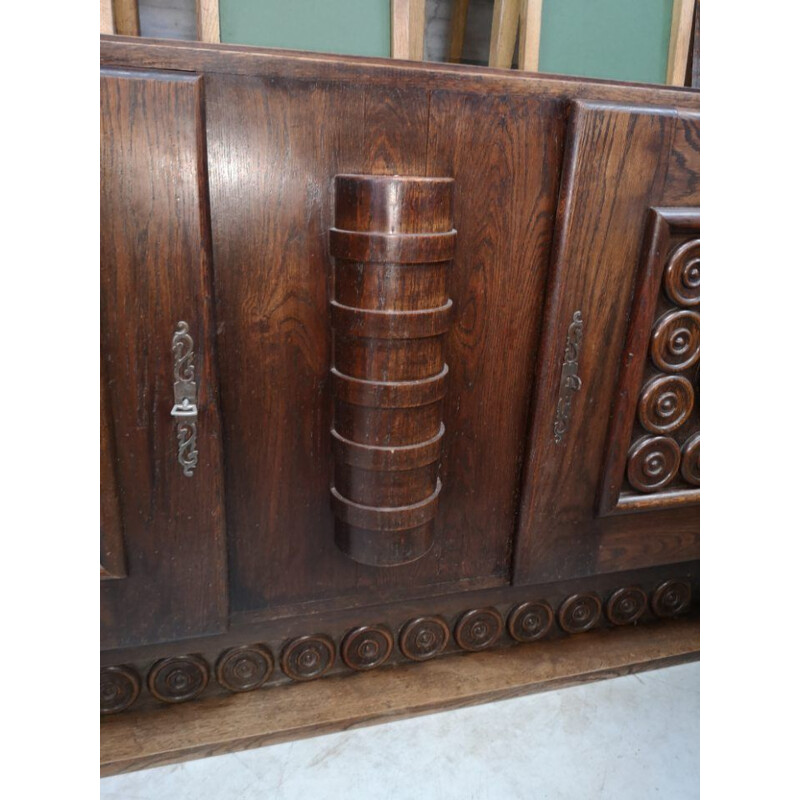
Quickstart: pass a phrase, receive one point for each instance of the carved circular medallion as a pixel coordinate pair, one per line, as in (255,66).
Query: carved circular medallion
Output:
(653,462)
(478,629)
(682,274)
(528,622)
(119,687)
(665,403)
(675,344)
(625,606)
(672,598)
(367,647)
(690,460)
(424,638)
(580,612)
(242,669)
(175,680)
(308,657)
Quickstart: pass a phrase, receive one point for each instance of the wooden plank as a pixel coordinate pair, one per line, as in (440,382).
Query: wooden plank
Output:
(458,27)
(505,23)
(207,20)
(106,16)
(137,740)
(408,29)
(126,17)
(679,39)
(530,29)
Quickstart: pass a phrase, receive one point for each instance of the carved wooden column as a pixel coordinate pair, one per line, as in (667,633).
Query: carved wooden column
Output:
(392,244)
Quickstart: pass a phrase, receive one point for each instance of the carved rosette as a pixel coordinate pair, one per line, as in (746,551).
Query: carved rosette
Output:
(308,657)
(529,622)
(478,629)
(626,606)
(178,679)
(367,647)
(424,638)
(653,462)
(682,275)
(675,343)
(672,598)
(119,688)
(690,460)
(580,613)
(665,403)
(242,669)
(392,246)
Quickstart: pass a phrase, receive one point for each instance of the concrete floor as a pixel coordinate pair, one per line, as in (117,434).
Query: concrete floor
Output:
(631,738)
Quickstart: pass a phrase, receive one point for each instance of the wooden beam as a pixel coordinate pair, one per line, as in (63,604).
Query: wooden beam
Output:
(530,29)
(207,20)
(505,22)
(458,27)
(126,17)
(137,740)
(408,29)
(680,36)
(106,17)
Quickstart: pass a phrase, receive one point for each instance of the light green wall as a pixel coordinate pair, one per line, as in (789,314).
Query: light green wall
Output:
(617,39)
(352,27)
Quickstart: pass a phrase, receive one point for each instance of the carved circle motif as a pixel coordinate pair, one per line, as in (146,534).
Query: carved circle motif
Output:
(528,622)
(665,403)
(366,647)
(424,638)
(308,657)
(580,612)
(672,598)
(653,462)
(675,344)
(242,669)
(478,629)
(682,274)
(625,606)
(119,688)
(690,460)
(176,680)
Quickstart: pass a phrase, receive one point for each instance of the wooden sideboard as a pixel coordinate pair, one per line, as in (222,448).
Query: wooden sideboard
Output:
(398,361)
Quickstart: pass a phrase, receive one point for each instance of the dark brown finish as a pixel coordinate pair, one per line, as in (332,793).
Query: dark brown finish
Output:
(529,622)
(690,460)
(119,688)
(672,598)
(580,613)
(176,680)
(155,272)
(424,638)
(242,669)
(626,606)
(367,647)
(308,657)
(478,629)
(112,552)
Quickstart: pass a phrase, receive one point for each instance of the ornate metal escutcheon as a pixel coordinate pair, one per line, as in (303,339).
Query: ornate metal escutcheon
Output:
(570,382)
(185,397)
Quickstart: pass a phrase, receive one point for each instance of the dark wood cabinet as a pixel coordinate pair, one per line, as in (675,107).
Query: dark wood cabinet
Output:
(397,360)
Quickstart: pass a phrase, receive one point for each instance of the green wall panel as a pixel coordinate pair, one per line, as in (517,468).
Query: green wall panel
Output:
(351,27)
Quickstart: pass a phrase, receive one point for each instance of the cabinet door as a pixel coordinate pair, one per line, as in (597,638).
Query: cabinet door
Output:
(162,546)
(612,479)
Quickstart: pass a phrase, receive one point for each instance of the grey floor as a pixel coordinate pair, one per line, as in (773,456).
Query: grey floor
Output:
(630,738)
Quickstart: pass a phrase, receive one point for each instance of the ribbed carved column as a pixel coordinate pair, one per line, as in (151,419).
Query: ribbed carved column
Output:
(392,245)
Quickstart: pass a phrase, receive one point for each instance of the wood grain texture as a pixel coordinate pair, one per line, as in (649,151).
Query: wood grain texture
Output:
(126,17)
(107,17)
(530,32)
(505,24)
(458,28)
(155,271)
(112,551)
(137,740)
(679,41)
(207,20)
(408,29)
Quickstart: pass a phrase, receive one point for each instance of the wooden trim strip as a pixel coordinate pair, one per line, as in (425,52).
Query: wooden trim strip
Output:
(679,40)
(371,323)
(393,248)
(374,518)
(388,459)
(389,394)
(207,12)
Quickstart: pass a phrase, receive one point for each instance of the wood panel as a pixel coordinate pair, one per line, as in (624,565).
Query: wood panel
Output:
(155,272)
(112,552)
(618,163)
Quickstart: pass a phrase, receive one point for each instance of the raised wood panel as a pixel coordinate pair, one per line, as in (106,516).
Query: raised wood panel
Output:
(112,553)
(619,162)
(155,272)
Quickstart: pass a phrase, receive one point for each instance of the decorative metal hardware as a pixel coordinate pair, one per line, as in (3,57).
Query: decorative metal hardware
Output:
(185,397)
(570,382)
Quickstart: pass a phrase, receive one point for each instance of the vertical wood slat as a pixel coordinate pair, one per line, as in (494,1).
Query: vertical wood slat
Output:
(530,34)
(458,27)
(106,17)
(126,17)
(408,29)
(207,20)
(505,22)
(679,39)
